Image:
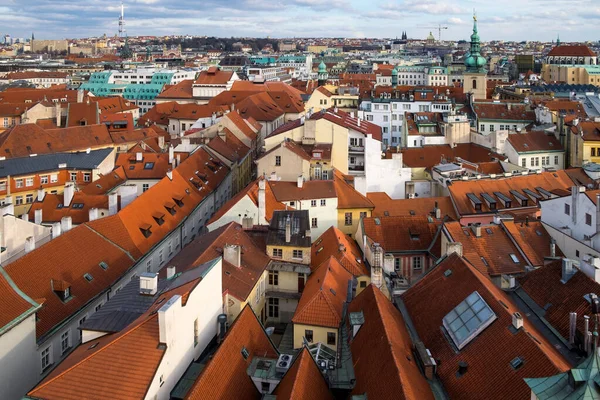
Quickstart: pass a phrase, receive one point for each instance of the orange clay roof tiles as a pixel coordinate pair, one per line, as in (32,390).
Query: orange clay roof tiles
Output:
(238,281)
(503,111)
(105,183)
(259,106)
(534,141)
(13,303)
(213,76)
(572,51)
(489,354)
(334,243)
(382,352)
(386,206)
(324,296)
(152,165)
(545,287)
(431,155)
(303,381)
(489,253)
(405,233)
(545,180)
(532,238)
(158,114)
(347,196)
(225,376)
(51,212)
(182,90)
(241,124)
(289,191)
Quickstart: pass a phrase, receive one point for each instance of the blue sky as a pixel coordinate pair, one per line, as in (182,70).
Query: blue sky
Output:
(575,20)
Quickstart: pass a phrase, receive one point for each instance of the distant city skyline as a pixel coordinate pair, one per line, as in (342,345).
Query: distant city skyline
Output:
(535,20)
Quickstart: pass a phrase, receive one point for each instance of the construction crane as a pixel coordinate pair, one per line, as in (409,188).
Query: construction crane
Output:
(439,29)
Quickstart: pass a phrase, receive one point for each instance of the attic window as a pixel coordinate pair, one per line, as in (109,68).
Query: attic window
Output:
(93,346)
(59,206)
(320,249)
(514,258)
(332,291)
(412,212)
(170,206)
(489,231)
(245,353)
(159,218)
(178,200)
(149,165)
(103,265)
(468,319)
(88,277)
(77,205)
(386,213)
(145,229)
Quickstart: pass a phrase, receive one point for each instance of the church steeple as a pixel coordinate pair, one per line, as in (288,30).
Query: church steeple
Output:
(475,62)
(557,40)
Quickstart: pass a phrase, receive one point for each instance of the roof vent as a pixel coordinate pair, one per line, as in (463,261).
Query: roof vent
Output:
(283,363)
(517,320)
(149,283)
(462,368)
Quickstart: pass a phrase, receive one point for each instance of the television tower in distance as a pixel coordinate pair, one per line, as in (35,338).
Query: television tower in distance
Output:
(122,31)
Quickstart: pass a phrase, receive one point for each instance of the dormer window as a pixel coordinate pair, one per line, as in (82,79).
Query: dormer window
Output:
(159,218)
(170,207)
(62,289)
(145,229)
(178,200)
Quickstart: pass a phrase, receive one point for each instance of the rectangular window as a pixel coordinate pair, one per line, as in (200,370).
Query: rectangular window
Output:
(297,254)
(531,161)
(19,200)
(277,253)
(537,161)
(568,209)
(87,177)
(417,263)
(273,309)
(274,278)
(44,179)
(492,128)
(397,264)
(53,178)
(555,160)
(64,342)
(313,203)
(348,218)
(323,202)
(196,332)
(145,186)
(160,257)
(363,214)
(331,338)
(72,176)
(524,162)
(278,161)
(46,358)
(29,182)
(588,219)
(18,183)
(313,223)
(308,334)
(29,198)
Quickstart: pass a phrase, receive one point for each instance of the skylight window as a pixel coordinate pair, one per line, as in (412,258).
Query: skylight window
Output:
(149,165)
(103,265)
(514,258)
(468,319)
(88,277)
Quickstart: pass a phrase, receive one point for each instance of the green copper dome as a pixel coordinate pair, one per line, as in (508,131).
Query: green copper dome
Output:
(322,68)
(394,72)
(475,62)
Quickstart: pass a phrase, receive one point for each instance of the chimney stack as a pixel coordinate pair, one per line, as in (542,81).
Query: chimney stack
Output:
(476,228)
(80,96)
(247,222)
(171,271)
(572,327)
(552,247)
(586,332)
(66,223)
(25,217)
(597,212)
(517,320)
(58,112)
(113,204)
(41,193)
(161,142)
(29,244)
(462,368)
(139,156)
(167,320)
(574,199)
(149,283)
(454,247)
(262,202)
(171,155)
(56,230)
(68,194)
(288,229)
(93,214)
(38,217)
(300,181)
(232,253)
(567,270)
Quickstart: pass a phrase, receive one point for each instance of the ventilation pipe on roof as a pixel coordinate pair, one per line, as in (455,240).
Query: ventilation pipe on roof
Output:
(80,96)
(138,156)
(288,229)
(171,155)
(68,194)
(586,333)
(222,321)
(149,283)
(29,244)
(476,228)
(66,223)
(437,211)
(178,160)
(572,327)
(232,253)
(25,217)
(567,270)
(517,320)
(93,214)
(113,206)
(38,216)
(56,230)
(171,271)
(58,113)
(552,247)
(262,202)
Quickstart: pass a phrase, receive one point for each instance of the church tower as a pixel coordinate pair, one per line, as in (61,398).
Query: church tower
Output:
(322,74)
(474,77)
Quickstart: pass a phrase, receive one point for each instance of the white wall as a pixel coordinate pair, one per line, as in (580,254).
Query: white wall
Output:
(20,364)
(326,215)
(244,207)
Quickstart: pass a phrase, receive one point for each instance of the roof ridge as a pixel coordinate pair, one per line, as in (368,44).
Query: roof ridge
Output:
(149,318)
(113,243)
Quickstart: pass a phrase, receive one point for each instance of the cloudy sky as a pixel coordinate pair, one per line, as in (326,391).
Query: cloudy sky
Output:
(574,20)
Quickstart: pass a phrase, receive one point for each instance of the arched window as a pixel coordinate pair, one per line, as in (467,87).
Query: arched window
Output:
(474,84)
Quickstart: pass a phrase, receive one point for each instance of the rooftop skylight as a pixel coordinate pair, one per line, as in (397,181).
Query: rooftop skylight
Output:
(468,319)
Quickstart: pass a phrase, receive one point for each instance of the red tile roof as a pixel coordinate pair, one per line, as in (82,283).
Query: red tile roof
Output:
(489,354)
(105,183)
(334,243)
(259,106)
(159,114)
(152,165)
(13,109)
(303,381)
(532,238)
(504,111)
(195,111)
(324,296)
(213,76)
(410,234)
(289,191)
(534,141)
(83,114)
(225,376)
(430,156)
(182,90)
(347,196)
(52,213)
(14,302)
(571,51)
(386,206)
(382,352)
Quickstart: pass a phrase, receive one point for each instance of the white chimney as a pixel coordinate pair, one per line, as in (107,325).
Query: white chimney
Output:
(476,228)
(128,194)
(93,214)
(38,217)
(80,96)
(171,155)
(149,283)
(29,244)
(58,112)
(68,194)
(171,271)
(288,229)
(56,230)
(262,202)
(25,217)
(66,223)
(139,156)
(167,324)
(567,270)
(113,203)
(454,247)
(597,212)
(170,175)
(178,160)
(517,320)
(41,193)
(232,253)
(552,247)
(300,181)
(161,142)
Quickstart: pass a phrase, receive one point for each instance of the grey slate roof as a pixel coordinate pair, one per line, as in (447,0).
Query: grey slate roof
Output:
(300,225)
(128,304)
(50,162)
